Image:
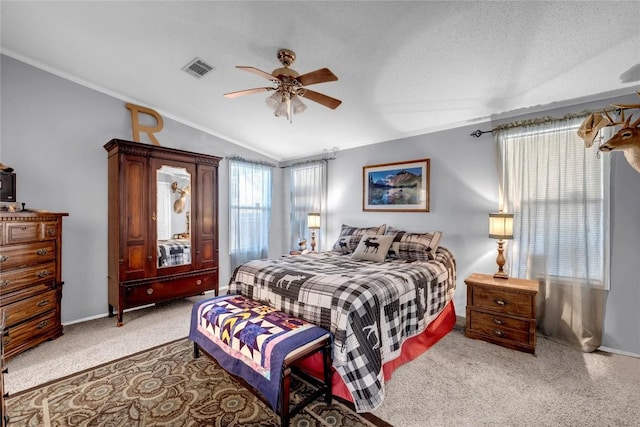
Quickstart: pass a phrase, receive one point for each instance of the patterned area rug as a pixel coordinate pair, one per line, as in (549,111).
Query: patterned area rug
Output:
(165,386)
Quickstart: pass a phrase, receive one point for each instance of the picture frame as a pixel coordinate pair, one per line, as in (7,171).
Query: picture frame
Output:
(396,187)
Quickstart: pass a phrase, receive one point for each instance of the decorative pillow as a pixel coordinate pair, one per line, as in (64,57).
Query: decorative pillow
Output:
(414,246)
(347,246)
(373,248)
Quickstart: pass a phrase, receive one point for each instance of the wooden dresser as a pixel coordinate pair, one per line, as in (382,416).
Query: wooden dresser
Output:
(4,418)
(502,311)
(30,278)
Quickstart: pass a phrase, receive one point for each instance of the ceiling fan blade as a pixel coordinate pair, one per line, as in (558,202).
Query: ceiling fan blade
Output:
(318,76)
(325,100)
(261,73)
(247,92)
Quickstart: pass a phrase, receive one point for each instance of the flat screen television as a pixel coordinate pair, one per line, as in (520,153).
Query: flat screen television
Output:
(7,187)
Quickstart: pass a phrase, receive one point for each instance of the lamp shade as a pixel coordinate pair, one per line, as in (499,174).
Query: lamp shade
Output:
(313,220)
(501,226)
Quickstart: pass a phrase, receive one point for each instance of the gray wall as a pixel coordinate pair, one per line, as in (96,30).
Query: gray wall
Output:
(52,133)
(53,130)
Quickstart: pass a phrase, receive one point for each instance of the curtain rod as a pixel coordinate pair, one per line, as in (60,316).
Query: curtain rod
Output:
(288,165)
(541,120)
(255,162)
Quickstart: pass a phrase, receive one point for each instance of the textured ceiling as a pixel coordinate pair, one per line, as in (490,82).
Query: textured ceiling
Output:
(404,68)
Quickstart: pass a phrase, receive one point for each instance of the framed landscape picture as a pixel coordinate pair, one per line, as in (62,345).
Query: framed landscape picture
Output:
(396,187)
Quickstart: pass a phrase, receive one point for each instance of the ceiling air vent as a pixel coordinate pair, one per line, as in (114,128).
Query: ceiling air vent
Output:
(197,68)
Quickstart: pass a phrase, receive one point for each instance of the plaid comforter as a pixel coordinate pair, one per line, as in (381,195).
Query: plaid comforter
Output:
(370,307)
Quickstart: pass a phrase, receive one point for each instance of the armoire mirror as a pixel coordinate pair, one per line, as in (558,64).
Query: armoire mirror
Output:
(173,216)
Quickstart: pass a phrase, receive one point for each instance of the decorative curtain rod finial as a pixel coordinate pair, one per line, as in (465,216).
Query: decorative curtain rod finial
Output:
(478,133)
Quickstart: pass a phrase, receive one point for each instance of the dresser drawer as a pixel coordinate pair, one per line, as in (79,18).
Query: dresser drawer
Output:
(17,256)
(14,280)
(503,301)
(24,232)
(24,333)
(30,307)
(159,291)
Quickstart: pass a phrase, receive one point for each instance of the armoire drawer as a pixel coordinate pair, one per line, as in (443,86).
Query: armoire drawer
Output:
(14,280)
(30,307)
(159,291)
(17,256)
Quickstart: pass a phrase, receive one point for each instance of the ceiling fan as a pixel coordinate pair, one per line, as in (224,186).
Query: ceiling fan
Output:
(289,86)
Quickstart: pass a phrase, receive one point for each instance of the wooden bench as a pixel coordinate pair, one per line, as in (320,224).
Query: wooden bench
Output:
(241,335)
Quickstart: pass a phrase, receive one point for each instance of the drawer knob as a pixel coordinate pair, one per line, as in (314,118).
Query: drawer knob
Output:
(43,303)
(3,258)
(4,283)
(500,302)
(51,232)
(24,227)
(149,291)
(198,282)
(43,273)
(42,324)
(498,321)
(42,251)
(498,332)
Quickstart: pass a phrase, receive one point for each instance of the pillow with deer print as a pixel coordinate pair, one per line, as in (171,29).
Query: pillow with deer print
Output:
(350,237)
(373,248)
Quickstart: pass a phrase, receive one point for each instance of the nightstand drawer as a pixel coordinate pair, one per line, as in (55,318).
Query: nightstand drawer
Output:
(487,321)
(502,301)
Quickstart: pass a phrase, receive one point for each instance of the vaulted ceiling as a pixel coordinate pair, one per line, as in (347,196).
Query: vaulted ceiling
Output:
(404,68)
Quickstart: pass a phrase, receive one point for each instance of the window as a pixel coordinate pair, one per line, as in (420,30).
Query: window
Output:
(308,184)
(555,186)
(249,211)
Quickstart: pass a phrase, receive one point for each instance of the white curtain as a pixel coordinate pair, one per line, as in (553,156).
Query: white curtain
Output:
(249,211)
(557,190)
(308,189)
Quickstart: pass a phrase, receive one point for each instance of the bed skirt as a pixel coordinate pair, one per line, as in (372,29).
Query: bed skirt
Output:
(411,348)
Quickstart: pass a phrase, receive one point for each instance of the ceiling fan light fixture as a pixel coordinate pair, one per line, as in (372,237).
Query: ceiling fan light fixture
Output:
(274,101)
(283,110)
(297,105)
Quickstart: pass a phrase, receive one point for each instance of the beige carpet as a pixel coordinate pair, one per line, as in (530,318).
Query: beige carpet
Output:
(459,382)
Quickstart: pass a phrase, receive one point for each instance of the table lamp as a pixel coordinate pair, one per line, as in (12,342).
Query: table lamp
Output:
(313,222)
(501,228)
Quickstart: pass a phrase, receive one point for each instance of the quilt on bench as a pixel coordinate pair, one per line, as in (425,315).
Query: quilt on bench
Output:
(249,339)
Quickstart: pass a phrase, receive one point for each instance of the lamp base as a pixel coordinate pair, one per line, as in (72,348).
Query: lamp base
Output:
(501,275)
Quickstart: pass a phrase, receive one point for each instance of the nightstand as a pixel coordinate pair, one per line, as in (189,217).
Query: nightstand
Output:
(502,311)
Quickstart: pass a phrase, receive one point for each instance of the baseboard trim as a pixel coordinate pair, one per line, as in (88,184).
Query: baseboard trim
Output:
(620,352)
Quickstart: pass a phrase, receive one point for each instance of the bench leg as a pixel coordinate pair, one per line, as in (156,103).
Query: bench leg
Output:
(196,351)
(285,387)
(326,356)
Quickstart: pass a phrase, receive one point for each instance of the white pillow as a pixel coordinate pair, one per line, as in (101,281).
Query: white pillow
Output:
(373,248)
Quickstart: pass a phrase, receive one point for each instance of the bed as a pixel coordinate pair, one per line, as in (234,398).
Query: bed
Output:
(381,312)
(174,252)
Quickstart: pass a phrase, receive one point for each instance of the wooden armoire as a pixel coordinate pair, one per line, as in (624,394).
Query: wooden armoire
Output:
(151,189)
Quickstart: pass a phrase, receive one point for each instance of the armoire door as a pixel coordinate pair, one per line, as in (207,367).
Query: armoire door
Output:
(172,205)
(207,221)
(134,216)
